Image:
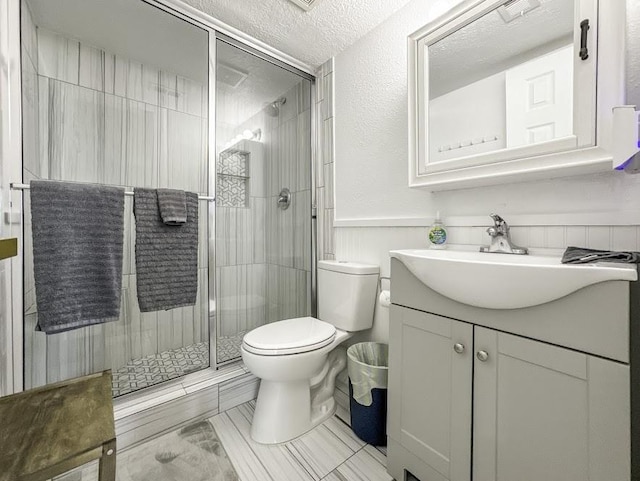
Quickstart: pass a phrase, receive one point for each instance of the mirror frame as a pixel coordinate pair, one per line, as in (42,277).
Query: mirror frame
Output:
(597,89)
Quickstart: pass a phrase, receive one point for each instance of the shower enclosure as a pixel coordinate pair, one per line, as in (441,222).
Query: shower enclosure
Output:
(263,246)
(132,94)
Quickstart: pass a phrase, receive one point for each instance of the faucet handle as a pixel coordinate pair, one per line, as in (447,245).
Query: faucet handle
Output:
(500,224)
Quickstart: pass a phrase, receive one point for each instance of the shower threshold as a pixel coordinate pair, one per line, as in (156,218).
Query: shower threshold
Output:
(157,368)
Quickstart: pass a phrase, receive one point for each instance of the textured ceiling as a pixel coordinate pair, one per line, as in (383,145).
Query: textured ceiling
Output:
(311,37)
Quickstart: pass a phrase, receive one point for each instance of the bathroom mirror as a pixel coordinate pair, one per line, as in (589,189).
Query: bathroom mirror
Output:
(496,87)
(502,81)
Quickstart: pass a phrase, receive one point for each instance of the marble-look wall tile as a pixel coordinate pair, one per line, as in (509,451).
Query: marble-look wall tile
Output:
(43,126)
(227,300)
(328,145)
(142,83)
(303,91)
(327,104)
(29,36)
(226,236)
(30,116)
(257,287)
(258,208)
(58,56)
(329,236)
(301,230)
(289,109)
(29,285)
(142,158)
(114,167)
(181,164)
(120,76)
(303,156)
(109,72)
(329,192)
(287,293)
(238,391)
(168,90)
(35,348)
(92,71)
(75,121)
(245,235)
(189,98)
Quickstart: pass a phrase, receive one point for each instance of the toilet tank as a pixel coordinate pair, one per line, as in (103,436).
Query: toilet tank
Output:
(347,294)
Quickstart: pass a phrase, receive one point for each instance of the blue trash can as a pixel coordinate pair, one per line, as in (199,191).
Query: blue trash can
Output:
(368,367)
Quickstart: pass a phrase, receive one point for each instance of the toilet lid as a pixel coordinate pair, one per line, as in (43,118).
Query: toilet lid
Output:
(291,336)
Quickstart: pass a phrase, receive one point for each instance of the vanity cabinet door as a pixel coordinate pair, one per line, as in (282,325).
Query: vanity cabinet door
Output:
(430,374)
(543,412)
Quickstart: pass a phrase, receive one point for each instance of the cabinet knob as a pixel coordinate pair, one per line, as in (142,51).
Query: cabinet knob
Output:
(482,355)
(459,348)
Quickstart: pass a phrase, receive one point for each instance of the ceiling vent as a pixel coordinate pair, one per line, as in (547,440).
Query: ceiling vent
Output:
(305,4)
(230,76)
(516,8)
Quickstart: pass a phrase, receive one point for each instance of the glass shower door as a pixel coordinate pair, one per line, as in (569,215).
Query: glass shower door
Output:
(123,106)
(263,248)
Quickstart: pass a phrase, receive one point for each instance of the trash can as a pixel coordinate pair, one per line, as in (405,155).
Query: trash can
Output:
(368,367)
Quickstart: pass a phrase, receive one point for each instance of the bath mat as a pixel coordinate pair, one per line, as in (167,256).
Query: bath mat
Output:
(192,453)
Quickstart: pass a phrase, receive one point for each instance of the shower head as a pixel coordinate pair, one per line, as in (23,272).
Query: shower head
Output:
(273,109)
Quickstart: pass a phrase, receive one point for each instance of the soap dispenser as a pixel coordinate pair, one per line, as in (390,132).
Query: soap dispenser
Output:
(437,234)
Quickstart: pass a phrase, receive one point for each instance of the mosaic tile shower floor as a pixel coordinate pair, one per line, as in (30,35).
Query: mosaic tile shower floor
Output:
(157,368)
(228,347)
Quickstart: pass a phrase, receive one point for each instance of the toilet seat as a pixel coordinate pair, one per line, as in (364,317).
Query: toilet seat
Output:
(291,336)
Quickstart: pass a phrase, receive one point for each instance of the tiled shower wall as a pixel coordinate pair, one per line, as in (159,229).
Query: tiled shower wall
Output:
(92,116)
(325,161)
(263,253)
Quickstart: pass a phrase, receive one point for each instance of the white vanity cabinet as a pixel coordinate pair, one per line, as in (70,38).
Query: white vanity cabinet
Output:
(431,417)
(469,401)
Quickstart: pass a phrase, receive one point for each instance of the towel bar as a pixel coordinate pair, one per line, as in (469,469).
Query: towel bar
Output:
(16,186)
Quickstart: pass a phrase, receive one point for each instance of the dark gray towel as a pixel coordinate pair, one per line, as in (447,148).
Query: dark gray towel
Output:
(166,256)
(173,206)
(77,253)
(580,255)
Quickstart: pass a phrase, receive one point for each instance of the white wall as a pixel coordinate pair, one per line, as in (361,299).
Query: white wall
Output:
(374,207)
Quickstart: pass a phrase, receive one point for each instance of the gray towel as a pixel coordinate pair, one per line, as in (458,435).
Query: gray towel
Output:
(580,255)
(166,256)
(77,253)
(173,206)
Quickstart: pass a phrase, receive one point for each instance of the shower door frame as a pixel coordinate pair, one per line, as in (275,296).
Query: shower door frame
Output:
(12,370)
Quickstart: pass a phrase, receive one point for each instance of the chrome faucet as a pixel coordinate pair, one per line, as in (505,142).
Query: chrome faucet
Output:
(500,239)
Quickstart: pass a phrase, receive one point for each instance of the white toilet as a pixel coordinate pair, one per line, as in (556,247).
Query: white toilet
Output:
(296,359)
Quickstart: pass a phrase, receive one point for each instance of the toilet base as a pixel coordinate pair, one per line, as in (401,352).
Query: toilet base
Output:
(286,410)
(283,412)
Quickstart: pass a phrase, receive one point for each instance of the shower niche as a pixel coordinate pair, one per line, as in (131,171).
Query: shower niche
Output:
(233,173)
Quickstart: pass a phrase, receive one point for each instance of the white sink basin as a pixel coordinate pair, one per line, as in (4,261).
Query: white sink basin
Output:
(504,281)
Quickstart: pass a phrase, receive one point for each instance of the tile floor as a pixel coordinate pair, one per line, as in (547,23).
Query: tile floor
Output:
(160,367)
(330,452)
